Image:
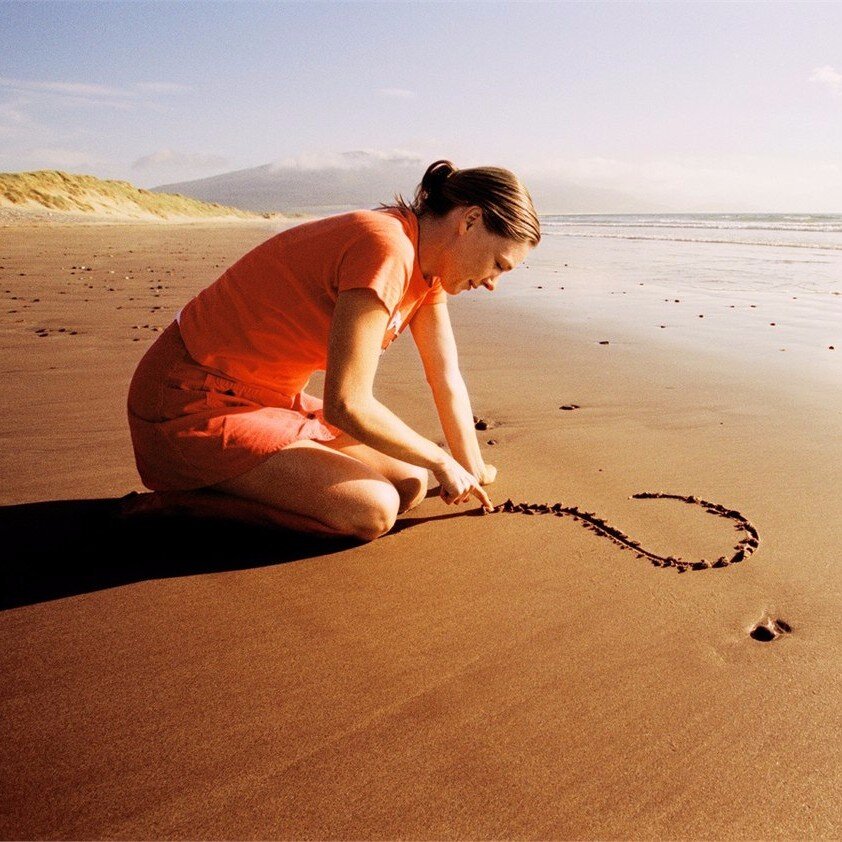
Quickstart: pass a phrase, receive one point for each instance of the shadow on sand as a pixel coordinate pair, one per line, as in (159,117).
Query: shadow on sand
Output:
(68,547)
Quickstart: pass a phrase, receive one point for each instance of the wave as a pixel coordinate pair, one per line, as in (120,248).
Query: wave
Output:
(730,242)
(773,244)
(796,223)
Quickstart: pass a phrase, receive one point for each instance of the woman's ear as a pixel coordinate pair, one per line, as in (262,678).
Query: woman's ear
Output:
(473,215)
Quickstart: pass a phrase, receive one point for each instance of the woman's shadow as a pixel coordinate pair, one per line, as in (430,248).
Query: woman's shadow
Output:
(63,548)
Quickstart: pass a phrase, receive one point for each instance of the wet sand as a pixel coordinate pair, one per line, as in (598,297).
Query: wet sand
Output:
(513,675)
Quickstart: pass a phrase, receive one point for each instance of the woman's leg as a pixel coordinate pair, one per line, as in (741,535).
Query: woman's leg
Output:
(314,488)
(341,487)
(409,480)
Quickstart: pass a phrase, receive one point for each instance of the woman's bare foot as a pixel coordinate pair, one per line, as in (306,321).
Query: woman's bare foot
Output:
(208,504)
(199,504)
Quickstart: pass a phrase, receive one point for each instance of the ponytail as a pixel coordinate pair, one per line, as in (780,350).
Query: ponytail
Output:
(507,208)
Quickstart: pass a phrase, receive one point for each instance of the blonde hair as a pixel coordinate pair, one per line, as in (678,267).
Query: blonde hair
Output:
(507,208)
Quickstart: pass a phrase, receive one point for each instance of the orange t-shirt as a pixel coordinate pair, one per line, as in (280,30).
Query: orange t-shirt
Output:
(266,320)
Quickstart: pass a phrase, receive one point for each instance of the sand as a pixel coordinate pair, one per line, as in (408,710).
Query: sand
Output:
(465,676)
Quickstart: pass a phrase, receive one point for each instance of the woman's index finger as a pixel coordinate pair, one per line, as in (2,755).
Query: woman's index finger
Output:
(479,493)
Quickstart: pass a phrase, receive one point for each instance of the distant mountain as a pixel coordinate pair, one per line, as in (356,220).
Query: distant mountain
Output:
(326,184)
(53,190)
(331,183)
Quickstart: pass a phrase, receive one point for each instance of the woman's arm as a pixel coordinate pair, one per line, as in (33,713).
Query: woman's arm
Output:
(433,334)
(356,337)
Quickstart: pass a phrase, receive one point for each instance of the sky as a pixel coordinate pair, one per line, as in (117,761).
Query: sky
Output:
(693,106)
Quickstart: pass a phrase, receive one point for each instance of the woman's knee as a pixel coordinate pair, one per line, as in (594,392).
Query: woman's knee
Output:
(375,514)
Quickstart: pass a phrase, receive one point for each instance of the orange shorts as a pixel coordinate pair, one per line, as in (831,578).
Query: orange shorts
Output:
(192,426)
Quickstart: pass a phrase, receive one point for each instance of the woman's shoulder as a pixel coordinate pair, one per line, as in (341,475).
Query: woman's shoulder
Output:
(385,223)
(387,228)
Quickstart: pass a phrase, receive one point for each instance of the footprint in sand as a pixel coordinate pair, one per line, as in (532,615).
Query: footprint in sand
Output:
(481,424)
(768,630)
(570,406)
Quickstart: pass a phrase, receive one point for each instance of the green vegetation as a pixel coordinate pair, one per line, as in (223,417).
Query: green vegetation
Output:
(62,191)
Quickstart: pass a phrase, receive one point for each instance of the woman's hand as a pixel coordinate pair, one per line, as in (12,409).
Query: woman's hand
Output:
(488,475)
(458,485)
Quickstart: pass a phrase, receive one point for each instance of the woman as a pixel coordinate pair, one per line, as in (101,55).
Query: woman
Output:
(219,418)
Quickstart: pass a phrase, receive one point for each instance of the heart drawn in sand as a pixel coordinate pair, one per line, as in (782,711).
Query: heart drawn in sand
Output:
(742,550)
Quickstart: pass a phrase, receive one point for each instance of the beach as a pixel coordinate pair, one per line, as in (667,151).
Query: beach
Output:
(511,675)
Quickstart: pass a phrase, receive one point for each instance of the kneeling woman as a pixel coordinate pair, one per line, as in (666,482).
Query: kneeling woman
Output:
(219,418)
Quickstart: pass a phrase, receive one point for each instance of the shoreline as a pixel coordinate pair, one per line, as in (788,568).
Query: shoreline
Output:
(795,332)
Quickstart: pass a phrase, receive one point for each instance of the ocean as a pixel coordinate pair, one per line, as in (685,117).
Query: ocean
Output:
(822,231)
(722,251)
(761,287)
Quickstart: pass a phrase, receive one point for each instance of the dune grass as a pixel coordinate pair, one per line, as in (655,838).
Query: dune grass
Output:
(61,191)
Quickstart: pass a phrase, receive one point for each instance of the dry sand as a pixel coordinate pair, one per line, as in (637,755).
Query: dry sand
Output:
(506,676)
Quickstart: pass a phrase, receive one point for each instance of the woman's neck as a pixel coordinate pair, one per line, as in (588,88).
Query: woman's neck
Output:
(432,242)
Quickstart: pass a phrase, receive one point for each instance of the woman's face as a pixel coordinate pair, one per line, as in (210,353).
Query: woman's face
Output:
(476,256)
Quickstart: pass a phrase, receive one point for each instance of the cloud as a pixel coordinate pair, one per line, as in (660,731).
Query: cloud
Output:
(68,88)
(15,119)
(81,93)
(829,77)
(355,160)
(171,159)
(396,93)
(12,113)
(162,87)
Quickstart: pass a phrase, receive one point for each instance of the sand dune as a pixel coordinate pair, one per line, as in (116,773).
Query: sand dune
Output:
(61,194)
